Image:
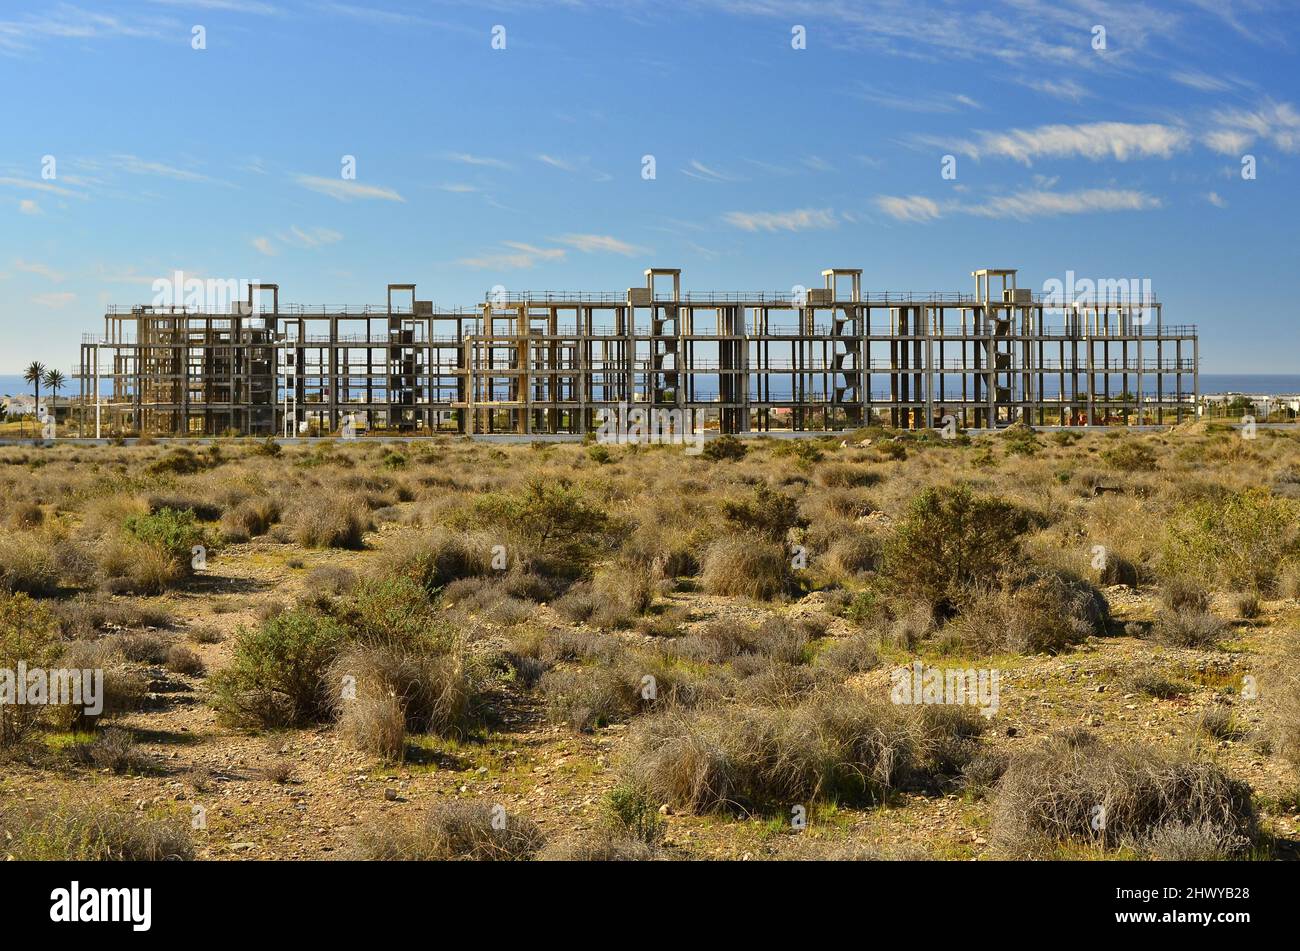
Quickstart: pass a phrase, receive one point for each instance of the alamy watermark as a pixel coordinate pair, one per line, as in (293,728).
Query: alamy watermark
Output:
(63,687)
(919,684)
(650,426)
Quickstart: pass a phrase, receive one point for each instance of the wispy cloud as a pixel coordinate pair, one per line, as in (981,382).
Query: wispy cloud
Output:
(1066,89)
(913,101)
(589,243)
(1237,129)
(232,6)
(39,185)
(801,219)
(42,270)
(697,169)
(138,166)
(574,166)
(1121,141)
(1214,199)
(313,238)
(482,160)
(28,207)
(68,22)
(264,246)
(1194,79)
(521,256)
(348,189)
(54,300)
(1022,205)
(909,207)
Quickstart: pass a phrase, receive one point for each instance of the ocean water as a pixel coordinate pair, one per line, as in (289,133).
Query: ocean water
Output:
(1252,384)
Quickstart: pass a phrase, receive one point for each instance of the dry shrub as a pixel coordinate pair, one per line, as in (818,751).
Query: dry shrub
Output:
(433,688)
(598,845)
(1188,628)
(1246,606)
(25,515)
(130,567)
(835,745)
(618,688)
(183,660)
(373,721)
(144,647)
(854,654)
(725,639)
(115,750)
(1282,695)
(84,832)
(1045,615)
(438,558)
(28,564)
(1193,842)
(1074,788)
(844,475)
(124,690)
(454,830)
(249,519)
(746,566)
(332,522)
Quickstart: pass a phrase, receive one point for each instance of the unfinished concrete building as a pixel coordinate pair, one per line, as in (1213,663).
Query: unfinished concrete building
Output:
(825,358)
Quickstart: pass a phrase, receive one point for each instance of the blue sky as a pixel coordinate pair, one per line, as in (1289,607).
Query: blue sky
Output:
(523,166)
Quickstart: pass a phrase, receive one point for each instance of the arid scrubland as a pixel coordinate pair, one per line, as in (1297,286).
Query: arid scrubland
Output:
(452,649)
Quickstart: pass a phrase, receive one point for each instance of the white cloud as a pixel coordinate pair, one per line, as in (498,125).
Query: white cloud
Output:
(697,169)
(138,166)
(1021,205)
(801,219)
(468,159)
(1228,142)
(1194,79)
(818,164)
(264,246)
(1238,129)
(42,270)
(911,101)
(908,207)
(1094,140)
(1214,199)
(347,189)
(588,243)
(521,256)
(54,300)
(457,188)
(1066,89)
(29,207)
(32,184)
(562,164)
(314,238)
(574,166)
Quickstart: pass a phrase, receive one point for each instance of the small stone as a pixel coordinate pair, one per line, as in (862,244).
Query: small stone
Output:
(390,794)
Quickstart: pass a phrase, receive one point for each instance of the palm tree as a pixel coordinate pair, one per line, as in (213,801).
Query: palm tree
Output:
(55,381)
(34,373)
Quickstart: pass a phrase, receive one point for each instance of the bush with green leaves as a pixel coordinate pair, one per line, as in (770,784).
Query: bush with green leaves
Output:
(950,539)
(172,532)
(724,447)
(1130,456)
(29,634)
(768,513)
(1236,542)
(277,678)
(549,516)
